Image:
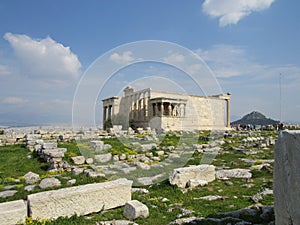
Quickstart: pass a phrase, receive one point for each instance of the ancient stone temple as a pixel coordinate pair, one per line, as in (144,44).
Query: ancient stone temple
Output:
(168,111)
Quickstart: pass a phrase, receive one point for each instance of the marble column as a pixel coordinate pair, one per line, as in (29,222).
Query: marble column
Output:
(155,110)
(228,113)
(104,114)
(170,109)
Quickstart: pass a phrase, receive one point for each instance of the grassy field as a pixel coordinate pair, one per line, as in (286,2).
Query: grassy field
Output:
(164,201)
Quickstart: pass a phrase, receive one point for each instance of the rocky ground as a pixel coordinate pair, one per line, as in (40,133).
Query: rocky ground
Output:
(241,194)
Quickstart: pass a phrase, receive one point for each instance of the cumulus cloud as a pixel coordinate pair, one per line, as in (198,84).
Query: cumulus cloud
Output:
(174,58)
(125,57)
(232,11)
(14,100)
(44,58)
(4,70)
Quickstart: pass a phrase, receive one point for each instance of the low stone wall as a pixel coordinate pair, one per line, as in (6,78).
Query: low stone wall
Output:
(287,178)
(80,200)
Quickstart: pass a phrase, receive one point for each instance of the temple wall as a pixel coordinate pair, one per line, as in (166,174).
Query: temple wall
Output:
(199,113)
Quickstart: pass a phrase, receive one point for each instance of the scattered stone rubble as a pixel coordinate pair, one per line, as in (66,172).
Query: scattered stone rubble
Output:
(134,209)
(49,152)
(259,196)
(264,214)
(233,173)
(49,183)
(31,178)
(185,178)
(80,200)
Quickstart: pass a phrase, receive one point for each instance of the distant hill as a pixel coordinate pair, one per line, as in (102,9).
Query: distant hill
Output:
(255,118)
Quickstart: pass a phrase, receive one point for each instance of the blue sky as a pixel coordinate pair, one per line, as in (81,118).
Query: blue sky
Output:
(45,48)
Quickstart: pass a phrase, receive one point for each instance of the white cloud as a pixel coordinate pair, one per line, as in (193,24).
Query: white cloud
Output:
(4,70)
(232,11)
(14,100)
(125,57)
(174,58)
(44,58)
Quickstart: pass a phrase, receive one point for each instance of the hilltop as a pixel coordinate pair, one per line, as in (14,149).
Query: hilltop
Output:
(255,118)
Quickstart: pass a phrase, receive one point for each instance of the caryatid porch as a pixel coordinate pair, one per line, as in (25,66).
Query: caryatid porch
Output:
(168,107)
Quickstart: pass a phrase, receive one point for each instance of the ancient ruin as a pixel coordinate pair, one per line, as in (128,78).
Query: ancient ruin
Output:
(165,110)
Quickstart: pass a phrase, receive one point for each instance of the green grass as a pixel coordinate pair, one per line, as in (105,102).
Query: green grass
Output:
(231,159)
(16,161)
(14,164)
(170,140)
(120,146)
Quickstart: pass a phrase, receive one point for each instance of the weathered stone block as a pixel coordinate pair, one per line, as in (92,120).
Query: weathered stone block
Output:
(192,183)
(78,160)
(54,152)
(9,193)
(31,178)
(29,188)
(77,170)
(80,200)
(287,178)
(102,158)
(14,212)
(149,146)
(233,173)
(95,174)
(37,147)
(49,183)
(181,176)
(97,145)
(89,161)
(49,145)
(107,146)
(142,166)
(135,209)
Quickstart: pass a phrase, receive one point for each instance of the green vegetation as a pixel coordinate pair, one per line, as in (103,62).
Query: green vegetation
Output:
(15,161)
